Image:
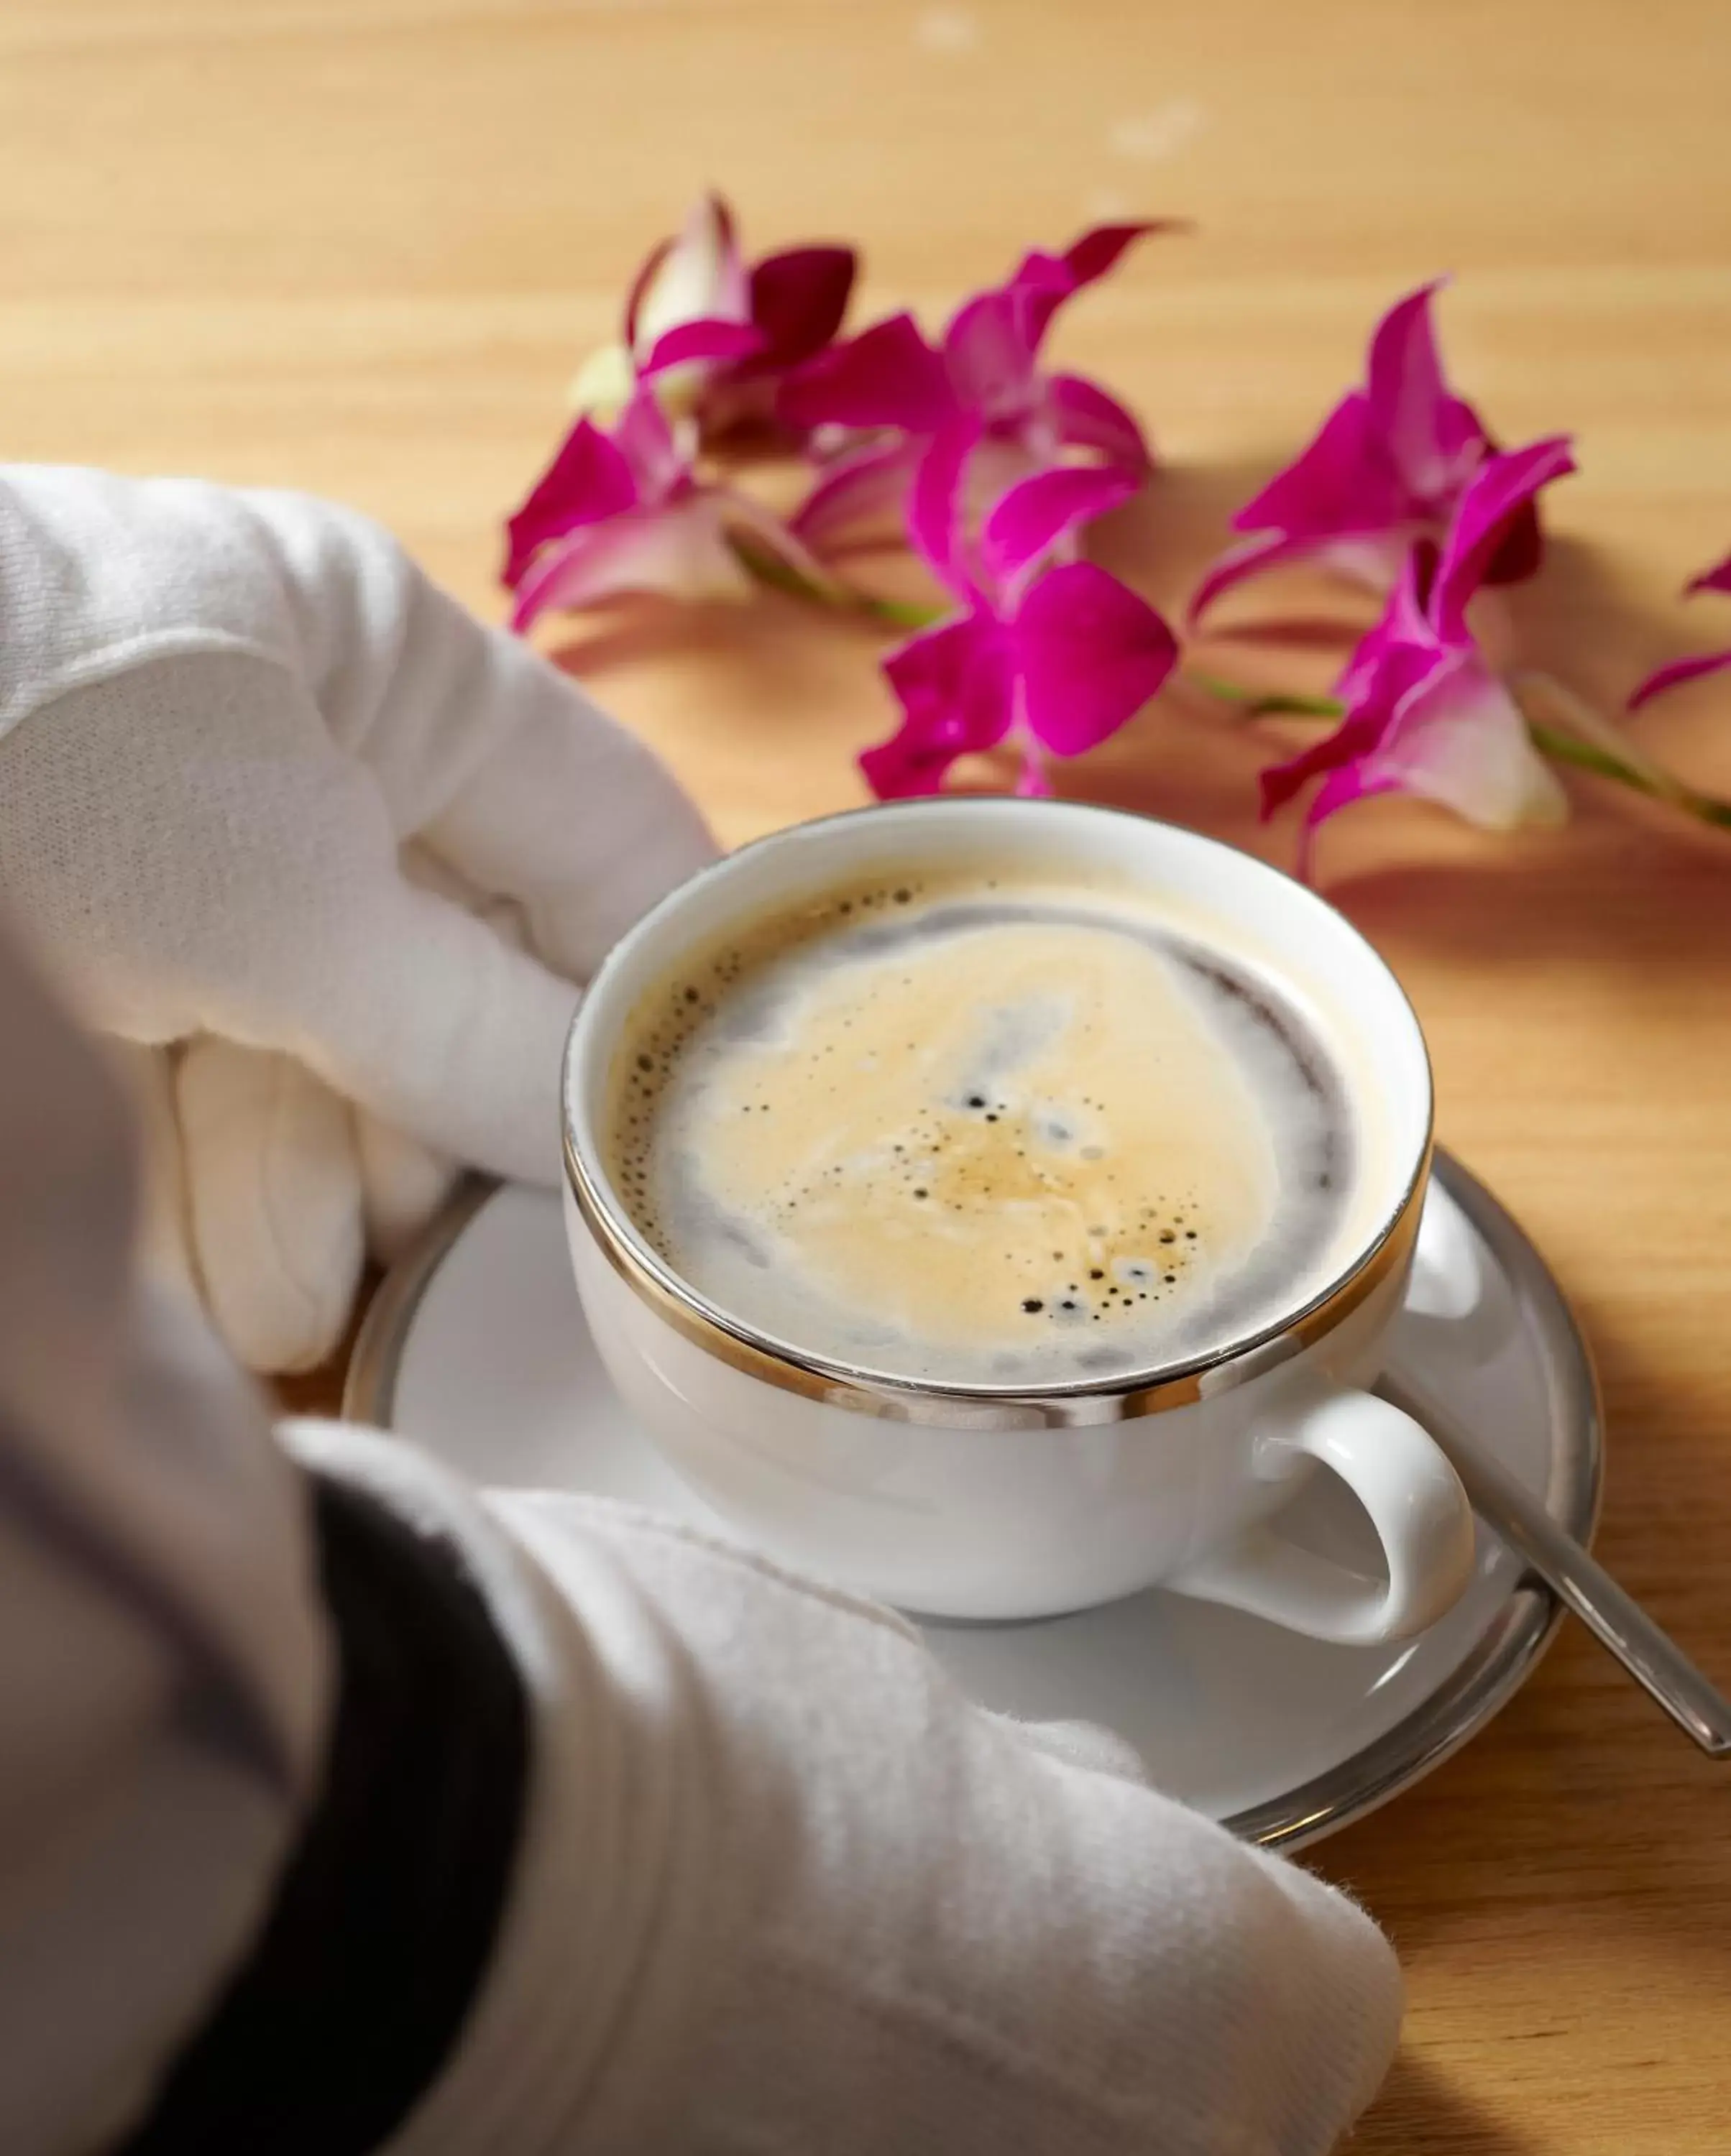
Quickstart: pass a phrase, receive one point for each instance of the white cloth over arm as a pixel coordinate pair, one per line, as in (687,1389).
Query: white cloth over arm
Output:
(164,1669)
(780,1889)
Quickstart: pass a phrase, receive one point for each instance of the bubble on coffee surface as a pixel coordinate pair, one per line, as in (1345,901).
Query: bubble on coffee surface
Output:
(980,1130)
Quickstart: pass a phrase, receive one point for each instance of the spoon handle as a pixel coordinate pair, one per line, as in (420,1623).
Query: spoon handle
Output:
(1615,1620)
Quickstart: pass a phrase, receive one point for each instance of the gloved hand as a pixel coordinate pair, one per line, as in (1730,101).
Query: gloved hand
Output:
(784,1889)
(329,852)
(775,1885)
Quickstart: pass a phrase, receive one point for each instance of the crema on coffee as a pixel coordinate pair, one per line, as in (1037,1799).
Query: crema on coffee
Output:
(982,1127)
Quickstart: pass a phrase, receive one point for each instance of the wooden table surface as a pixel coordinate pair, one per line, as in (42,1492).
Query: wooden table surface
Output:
(357,246)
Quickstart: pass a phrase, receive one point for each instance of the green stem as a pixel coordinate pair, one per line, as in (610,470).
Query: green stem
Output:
(781,576)
(1267,703)
(893,613)
(1552,742)
(1589,756)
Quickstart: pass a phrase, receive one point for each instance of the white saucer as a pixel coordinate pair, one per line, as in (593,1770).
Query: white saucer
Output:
(475,1346)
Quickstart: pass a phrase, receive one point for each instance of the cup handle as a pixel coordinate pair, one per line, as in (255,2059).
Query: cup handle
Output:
(1416,1505)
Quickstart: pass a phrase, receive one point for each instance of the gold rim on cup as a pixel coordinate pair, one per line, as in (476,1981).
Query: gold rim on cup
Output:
(981,1406)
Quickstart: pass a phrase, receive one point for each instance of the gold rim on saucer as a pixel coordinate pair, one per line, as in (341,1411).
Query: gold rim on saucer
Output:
(1498,1662)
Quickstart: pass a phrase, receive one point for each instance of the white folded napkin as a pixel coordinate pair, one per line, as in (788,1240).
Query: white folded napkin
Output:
(272,801)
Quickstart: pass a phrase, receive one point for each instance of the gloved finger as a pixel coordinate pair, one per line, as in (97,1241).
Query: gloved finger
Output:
(410,1005)
(530,790)
(429,872)
(274,1191)
(403,1182)
(402,1185)
(276,912)
(164,1244)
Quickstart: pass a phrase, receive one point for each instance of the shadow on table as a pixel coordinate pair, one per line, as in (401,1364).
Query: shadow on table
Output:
(759,637)
(1421,2113)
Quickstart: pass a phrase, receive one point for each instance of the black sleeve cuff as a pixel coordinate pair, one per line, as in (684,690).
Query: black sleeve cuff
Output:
(374,1948)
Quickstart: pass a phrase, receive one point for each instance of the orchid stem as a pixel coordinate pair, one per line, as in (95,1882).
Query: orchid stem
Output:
(1267,703)
(1552,741)
(1589,756)
(780,575)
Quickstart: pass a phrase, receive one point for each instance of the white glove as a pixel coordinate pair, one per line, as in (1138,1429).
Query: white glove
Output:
(271,801)
(783,1889)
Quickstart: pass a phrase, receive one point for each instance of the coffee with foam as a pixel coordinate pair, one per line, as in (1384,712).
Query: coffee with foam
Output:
(983,1127)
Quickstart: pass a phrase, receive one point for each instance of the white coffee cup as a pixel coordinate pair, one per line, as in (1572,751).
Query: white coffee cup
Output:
(973,1501)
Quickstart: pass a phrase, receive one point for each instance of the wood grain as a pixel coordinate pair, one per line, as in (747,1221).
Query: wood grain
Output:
(357,245)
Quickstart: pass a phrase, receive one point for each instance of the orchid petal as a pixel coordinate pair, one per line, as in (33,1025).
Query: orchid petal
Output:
(744,512)
(1401,642)
(1041,285)
(1048,280)
(797,299)
(1032,782)
(1338,482)
(935,524)
(697,276)
(1679,671)
(681,552)
(888,376)
(1041,271)
(1373,559)
(1390,462)
(1496,495)
(602,386)
(1405,393)
(1459,738)
(1248,558)
(1463,438)
(1344,750)
(588,482)
(1024,525)
(988,351)
(1521,549)
(1099,249)
(647,441)
(1090,653)
(648,270)
(1697,664)
(999,463)
(1715,579)
(856,492)
(709,340)
(1086,419)
(957,689)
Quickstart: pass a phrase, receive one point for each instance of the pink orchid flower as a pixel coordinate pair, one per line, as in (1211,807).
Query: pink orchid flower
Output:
(625,512)
(1424,714)
(716,336)
(892,387)
(1691,669)
(1059,656)
(1391,465)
